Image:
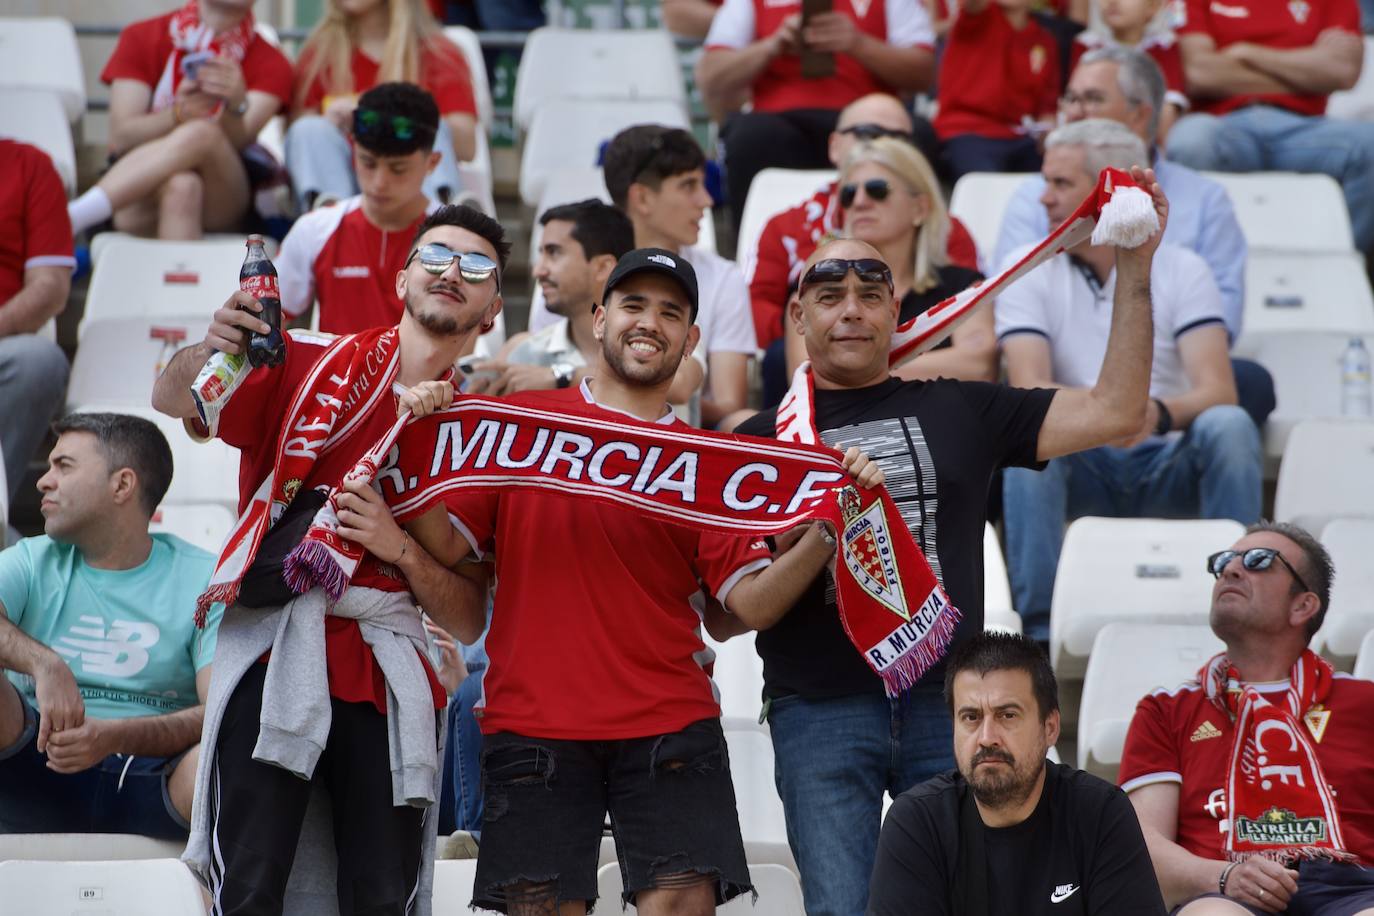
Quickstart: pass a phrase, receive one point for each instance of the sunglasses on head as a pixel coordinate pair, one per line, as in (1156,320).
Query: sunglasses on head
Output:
(472,266)
(877,189)
(1256,559)
(874,131)
(833,270)
(369,123)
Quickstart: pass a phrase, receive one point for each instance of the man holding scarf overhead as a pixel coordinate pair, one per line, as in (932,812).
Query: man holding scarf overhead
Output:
(839,741)
(1252,782)
(328,691)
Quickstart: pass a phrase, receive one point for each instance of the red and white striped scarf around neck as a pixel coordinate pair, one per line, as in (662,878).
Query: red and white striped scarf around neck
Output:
(189,34)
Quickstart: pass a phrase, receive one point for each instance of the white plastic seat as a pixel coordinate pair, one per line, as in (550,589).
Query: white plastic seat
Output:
(204,525)
(771,192)
(147,887)
(613,65)
(1350,616)
(761,818)
(1326,473)
(1128,661)
(979,200)
(453,880)
(1306,292)
(41,53)
(150,278)
(778,888)
(100,243)
(118,359)
(738,676)
(471,46)
(997,610)
(1130,570)
(570,132)
(1364,661)
(35,116)
(1356,104)
(1307,379)
(476,175)
(1288,211)
(79,847)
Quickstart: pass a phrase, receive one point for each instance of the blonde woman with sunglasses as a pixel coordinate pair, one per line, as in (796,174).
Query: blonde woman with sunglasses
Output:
(891,200)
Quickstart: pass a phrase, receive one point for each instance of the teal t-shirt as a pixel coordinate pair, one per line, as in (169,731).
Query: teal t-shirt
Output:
(129,635)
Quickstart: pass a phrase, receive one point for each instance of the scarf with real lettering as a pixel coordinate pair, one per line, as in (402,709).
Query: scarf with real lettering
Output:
(341,389)
(189,34)
(1280,803)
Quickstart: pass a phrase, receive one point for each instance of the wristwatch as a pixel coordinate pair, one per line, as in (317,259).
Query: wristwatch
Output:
(241,108)
(562,374)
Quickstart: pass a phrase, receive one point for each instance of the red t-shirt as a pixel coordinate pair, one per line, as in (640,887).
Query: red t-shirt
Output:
(595,632)
(780,87)
(33,210)
(1162,48)
(443,74)
(1179,736)
(992,76)
(251,422)
(144,47)
(1273,25)
(335,256)
(790,237)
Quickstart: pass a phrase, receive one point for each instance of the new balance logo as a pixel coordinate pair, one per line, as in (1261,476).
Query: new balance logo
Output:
(1204,731)
(1063,892)
(122,651)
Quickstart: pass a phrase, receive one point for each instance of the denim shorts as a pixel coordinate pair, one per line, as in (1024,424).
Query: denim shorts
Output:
(1324,889)
(120,794)
(671,806)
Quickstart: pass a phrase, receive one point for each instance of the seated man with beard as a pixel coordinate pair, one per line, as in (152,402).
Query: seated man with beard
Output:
(1009,831)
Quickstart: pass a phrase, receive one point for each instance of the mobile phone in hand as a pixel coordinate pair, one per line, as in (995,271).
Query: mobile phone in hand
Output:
(815,64)
(191,63)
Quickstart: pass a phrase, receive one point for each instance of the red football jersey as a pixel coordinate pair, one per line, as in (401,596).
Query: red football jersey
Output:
(992,76)
(1162,48)
(443,74)
(595,633)
(1180,736)
(33,207)
(1295,24)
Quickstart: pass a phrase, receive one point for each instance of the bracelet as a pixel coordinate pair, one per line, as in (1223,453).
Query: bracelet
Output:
(405,543)
(825,534)
(1166,419)
(1225,873)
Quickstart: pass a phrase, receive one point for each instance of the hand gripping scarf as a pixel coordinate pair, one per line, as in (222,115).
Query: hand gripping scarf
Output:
(1280,803)
(190,34)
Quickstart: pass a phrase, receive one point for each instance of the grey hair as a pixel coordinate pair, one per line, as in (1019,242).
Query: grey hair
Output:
(1105,143)
(1137,76)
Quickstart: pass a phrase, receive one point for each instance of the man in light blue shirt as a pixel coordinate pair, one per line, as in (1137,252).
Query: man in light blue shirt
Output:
(1125,85)
(106,672)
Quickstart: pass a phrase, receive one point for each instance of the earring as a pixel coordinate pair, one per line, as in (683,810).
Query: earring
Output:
(487,326)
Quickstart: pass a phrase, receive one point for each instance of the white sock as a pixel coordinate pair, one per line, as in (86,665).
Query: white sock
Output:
(90,209)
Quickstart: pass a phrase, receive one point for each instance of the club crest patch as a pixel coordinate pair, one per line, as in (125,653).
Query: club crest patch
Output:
(869,554)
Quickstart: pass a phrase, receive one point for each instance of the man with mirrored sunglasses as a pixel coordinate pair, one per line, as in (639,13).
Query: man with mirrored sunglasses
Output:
(1252,782)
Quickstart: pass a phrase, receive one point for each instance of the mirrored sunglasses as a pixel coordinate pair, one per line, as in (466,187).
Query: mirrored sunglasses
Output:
(833,270)
(472,266)
(1256,559)
(369,123)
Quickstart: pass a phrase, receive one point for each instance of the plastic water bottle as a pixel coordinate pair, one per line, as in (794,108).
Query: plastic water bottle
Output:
(1357,389)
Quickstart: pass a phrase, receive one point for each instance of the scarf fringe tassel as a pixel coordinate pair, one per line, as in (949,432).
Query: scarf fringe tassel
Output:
(1293,853)
(1127,220)
(226,593)
(904,673)
(312,564)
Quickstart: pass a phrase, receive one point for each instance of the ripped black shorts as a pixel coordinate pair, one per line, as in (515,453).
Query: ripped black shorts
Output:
(670,799)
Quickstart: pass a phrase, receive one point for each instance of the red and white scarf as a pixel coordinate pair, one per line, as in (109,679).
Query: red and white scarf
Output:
(190,34)
(1280,803)
(349,380)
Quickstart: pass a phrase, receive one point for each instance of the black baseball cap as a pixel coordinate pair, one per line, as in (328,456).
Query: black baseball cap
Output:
(659,261)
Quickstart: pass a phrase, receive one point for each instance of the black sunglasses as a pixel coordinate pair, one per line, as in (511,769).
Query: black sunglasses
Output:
(369,123)
(1255,559)
(876,188)
(833,270)
(874,131)
(472,266)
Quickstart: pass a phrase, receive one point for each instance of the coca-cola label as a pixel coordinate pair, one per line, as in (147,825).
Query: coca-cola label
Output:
(260,286)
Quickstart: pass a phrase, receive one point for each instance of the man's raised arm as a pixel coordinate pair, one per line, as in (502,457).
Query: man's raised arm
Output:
(228,333)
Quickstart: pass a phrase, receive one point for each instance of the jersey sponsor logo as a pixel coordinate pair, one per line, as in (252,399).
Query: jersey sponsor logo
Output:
(1216,805)
(1317,719)
(1299,10)
(1204,731)
(1063,892)
(1230,12)
(1280,827)
(869,554)
(120,651)
(359,272)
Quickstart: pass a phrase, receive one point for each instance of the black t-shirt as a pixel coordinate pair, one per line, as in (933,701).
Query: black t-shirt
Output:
(953,280)
(1080,853)
(939,443)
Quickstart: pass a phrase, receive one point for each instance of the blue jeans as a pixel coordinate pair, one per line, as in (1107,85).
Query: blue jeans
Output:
(971,153)
(1261,138)
(833,760)
(33,381)
(319,160)
(1212,471)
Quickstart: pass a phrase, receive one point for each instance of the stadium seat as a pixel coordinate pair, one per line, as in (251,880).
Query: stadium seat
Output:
(771,192)
(453,879)
(1286,211)
(1306,292)
(1307,380)
(35,116)
(476,176)
(778,888)
(41,53)
(1128,661)
(1350,616)
(1130,570)
(997,609)
(571,133)
(1364,662)
(204,525)
(614,65)
(738,678)
(135,887)
(118,359)
(148,278)
(1326,473)
(1356,104)
(471,46)
(84,847)
(761,819)
(979,199)
(101,242)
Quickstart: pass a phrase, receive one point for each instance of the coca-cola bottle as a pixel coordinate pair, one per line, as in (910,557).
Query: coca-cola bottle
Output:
(258,278)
